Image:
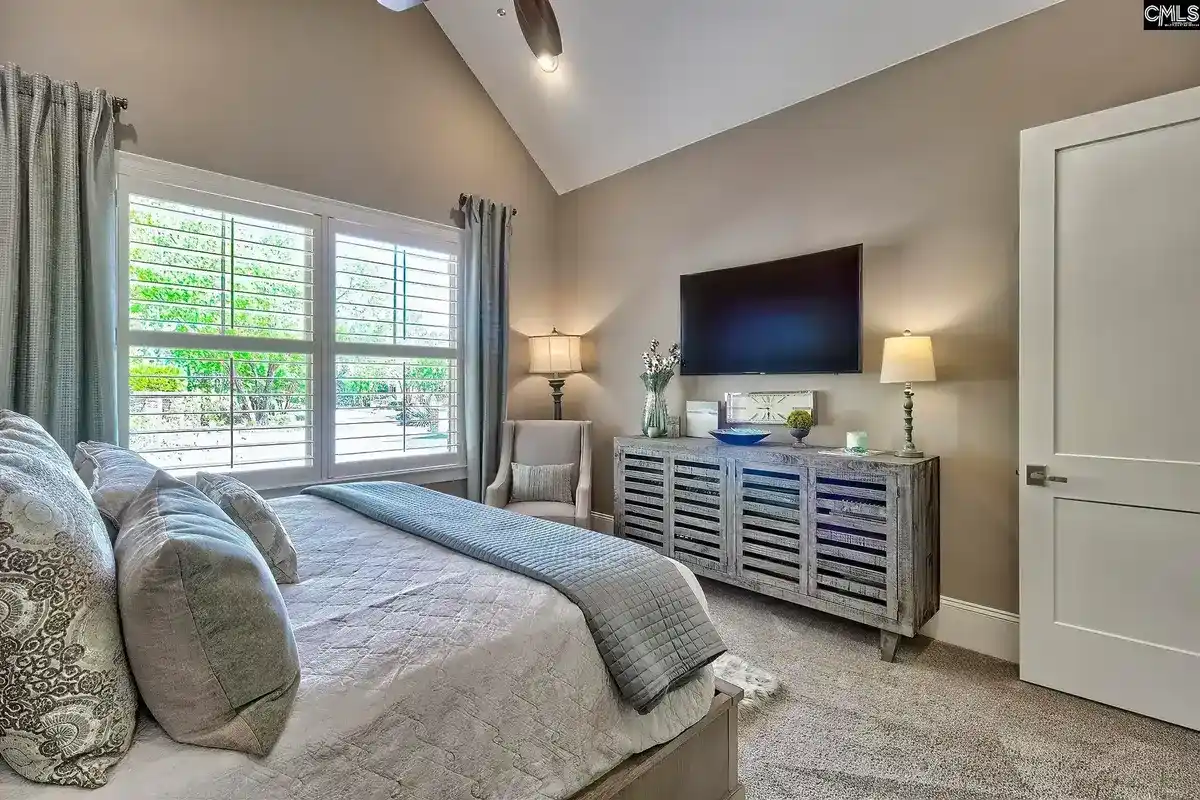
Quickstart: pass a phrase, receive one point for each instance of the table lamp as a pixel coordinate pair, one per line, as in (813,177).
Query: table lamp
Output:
(556,356)
(908,359)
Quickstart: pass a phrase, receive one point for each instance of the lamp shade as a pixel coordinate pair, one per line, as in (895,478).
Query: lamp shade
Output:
(555,354)
(907,359)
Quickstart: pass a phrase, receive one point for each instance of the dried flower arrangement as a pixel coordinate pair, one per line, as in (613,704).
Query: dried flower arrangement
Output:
(659,368)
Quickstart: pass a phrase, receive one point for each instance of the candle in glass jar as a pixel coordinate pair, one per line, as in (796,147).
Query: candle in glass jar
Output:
(856,440)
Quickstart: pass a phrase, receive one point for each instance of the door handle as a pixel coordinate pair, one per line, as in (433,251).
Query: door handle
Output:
(1037,475)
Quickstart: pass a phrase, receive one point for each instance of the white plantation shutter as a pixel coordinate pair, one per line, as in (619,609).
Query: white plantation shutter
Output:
(220,334)
(391,407)
(221,410)
(395,348)
(199,270)
(263,336)
(389,294)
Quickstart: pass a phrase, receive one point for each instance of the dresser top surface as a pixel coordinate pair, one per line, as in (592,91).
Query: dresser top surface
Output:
(763,450)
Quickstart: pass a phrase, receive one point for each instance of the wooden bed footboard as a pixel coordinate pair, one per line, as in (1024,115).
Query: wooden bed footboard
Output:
(699,764)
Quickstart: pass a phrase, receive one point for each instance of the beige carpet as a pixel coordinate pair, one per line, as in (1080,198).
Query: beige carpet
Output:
(939,723)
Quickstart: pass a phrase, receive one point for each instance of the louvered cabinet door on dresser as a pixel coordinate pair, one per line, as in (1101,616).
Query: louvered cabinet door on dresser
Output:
(852,537)
(768,528)
(641,502)
(857,537)
(697,513)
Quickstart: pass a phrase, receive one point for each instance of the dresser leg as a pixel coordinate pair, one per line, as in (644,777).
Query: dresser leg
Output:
(888,642)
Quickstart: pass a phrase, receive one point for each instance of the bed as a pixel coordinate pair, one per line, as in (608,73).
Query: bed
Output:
(428,674)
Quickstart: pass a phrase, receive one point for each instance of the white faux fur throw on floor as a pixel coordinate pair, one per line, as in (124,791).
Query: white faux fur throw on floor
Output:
(758,684)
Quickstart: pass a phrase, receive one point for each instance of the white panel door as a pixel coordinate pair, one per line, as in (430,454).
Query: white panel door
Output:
(1110,406)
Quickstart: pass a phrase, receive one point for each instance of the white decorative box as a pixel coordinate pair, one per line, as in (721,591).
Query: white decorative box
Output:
(768,408)
(703,416)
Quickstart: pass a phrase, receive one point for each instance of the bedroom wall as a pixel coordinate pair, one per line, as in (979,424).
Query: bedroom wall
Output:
(342,99)
(920,164)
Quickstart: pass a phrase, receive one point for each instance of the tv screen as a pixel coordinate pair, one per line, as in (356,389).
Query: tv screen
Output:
(797,315)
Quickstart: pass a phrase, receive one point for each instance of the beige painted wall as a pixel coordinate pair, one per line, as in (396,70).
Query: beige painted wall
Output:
(920,164)
(339,98)
(349,101)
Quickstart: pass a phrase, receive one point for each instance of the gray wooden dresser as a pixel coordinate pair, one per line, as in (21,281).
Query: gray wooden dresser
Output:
(853,536)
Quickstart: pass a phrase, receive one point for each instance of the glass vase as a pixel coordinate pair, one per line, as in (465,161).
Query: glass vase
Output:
(655,415)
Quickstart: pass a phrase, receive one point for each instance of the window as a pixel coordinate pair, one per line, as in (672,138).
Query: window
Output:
(286,337)
(395,350)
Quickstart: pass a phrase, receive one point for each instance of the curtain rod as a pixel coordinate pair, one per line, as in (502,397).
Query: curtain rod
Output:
(462,201)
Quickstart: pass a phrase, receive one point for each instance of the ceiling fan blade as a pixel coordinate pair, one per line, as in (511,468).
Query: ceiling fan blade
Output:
(400,5)
(540,27)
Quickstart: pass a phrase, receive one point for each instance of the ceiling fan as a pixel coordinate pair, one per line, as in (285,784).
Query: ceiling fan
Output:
(538,24)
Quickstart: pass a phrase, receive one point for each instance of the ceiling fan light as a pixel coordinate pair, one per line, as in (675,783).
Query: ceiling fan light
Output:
(540,29)
(400,5)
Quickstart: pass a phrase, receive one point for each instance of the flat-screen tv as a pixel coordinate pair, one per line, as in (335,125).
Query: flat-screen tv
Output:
(796,315)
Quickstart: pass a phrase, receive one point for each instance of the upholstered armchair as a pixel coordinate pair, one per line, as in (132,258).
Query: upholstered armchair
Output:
(536,443)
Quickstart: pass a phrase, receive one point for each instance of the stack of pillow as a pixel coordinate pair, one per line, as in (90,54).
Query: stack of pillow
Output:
(184,604)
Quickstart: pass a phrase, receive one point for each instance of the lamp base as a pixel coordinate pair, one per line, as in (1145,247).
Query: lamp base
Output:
(909,450)
(556,391)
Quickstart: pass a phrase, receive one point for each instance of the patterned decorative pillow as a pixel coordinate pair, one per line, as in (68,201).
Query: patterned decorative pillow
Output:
(549,484)
(251,513)
(68,705)
(113,475)
(205,627)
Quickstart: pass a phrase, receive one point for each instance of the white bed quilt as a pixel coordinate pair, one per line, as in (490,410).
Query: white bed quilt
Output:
(426,675)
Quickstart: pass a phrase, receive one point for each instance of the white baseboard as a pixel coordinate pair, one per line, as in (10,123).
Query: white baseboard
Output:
(985,630)
(967,625)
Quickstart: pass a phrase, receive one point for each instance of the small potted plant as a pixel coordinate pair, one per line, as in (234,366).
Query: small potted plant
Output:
(801,422)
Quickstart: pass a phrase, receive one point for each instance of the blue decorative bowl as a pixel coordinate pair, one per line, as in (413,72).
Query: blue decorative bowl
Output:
(742,436)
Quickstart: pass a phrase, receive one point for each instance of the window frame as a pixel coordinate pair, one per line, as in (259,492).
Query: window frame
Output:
(162,180)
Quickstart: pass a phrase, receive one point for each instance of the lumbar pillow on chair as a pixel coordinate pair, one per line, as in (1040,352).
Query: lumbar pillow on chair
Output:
(550,483)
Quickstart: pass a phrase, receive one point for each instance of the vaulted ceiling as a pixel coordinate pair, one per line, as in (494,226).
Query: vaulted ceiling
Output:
(640,78)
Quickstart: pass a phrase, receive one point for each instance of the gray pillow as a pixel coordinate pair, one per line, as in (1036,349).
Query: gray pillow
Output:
(113,475)
(548,484)
(67,702)
(205,626)
(250,512)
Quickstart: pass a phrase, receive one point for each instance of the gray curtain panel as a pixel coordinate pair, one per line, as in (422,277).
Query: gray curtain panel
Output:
(58,255)
(485,338)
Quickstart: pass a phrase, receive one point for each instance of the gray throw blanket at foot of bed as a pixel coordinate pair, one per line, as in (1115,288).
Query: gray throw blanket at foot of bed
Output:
(649,627)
